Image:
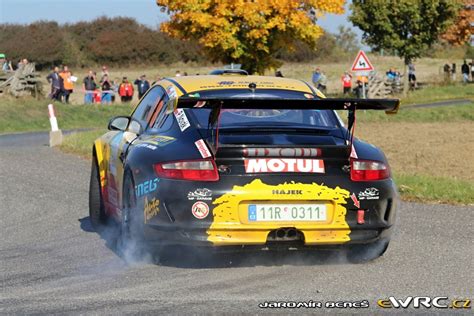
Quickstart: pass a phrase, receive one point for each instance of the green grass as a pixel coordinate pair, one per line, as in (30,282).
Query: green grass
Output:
(23,115)
(439,93)
(81,143)
(423,188)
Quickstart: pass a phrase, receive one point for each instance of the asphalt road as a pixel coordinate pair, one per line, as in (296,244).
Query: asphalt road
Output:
(51,262)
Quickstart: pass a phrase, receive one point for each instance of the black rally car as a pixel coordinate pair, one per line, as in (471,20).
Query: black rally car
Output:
(247,161)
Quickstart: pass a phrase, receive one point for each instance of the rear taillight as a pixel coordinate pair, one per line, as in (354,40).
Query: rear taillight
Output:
(195,170)
(368,170)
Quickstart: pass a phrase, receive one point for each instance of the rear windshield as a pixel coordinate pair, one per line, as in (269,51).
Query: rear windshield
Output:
(255,118)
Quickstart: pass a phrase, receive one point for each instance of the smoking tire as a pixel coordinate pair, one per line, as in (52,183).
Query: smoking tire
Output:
(131,241)
(367,252)
(97,214)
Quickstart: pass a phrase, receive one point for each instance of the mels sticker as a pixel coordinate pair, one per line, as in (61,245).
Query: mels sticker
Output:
(284,165)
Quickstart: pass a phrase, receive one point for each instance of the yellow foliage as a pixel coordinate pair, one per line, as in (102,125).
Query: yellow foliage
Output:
(246,31)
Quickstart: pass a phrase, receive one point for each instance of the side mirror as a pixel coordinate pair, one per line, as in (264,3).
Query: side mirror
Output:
(119,123)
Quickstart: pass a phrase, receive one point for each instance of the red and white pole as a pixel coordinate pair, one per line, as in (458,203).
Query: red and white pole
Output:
(55,135)
(52,118)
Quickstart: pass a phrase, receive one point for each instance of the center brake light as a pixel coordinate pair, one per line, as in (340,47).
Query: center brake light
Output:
(368,170)
(193,170)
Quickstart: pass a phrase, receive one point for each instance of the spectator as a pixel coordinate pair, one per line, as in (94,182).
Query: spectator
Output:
(142,86)
(346,82)
(105,72)
(5,64)
(472,69)
(362,82)
(465,72)
(56,84)
(68,84)
(447,72)
(126,90)
(107,91)
(158,78)
(278,73)
(411,75)
(178,73)
(89,87)
(391,74)
(322,82)
(316,77)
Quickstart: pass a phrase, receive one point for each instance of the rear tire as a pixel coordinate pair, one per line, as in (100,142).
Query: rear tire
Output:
(97,214)
(132,246)
(367,252)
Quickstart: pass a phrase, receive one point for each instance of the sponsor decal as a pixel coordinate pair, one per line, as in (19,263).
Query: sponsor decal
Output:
(284,165)
(369,194)
(155,142)
(171,91)
(146,187)
(145,145)
(308,96)
(226,82)
(353,152)
(151,209)
(182,119)
(355,200)
(425,301)
(282,152)
(200,194)
(200,210)
(228,212)
(202,147)
(294,192)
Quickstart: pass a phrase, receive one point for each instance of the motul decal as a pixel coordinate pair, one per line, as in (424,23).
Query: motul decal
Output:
(202,147)
(282,152)
(182,119)
(284,165)
(355,200)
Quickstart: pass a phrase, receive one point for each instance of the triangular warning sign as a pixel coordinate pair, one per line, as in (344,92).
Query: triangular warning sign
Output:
(362,63)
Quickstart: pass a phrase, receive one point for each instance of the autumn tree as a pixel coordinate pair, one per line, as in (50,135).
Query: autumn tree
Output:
(244,31)
(460,32)
(407,27)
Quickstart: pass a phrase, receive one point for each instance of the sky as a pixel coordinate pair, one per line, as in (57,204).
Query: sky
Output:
(145,11)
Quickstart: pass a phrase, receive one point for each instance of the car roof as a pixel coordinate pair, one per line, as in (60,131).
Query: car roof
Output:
(190,84)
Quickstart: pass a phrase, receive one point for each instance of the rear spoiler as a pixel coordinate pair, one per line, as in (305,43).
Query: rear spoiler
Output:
(390,106)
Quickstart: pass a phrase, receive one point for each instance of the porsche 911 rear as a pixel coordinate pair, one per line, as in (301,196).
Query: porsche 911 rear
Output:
(274,184)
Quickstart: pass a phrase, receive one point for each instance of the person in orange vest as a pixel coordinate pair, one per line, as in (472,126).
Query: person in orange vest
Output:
(126,90)
(68,84)
(346,80)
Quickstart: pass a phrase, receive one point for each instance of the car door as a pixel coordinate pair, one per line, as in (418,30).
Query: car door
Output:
(121,141)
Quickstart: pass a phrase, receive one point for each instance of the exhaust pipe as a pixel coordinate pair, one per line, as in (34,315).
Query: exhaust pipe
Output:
(281,233)
(291,233)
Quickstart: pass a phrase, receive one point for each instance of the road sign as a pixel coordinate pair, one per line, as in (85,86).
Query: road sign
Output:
(362,63)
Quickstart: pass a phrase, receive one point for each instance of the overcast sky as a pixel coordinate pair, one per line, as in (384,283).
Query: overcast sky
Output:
(67,11)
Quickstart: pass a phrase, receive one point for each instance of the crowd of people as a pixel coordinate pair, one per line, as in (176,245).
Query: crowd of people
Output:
(96,88)
(467,72)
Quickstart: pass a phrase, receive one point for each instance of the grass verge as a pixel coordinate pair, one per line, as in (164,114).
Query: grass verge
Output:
(423,188)
(81,143)
(24,115)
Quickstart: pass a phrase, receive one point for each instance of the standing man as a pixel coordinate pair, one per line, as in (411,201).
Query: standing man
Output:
(126,90)
(316,77)
(107,92)
(68,84)
(89,87)
(346,82)
(411,75)
(56,84)
(142,86)
(465,72)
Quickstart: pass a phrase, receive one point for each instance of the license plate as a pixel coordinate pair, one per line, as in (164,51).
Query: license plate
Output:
(286,212)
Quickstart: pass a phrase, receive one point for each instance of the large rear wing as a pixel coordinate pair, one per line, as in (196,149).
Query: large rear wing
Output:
(390,106)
